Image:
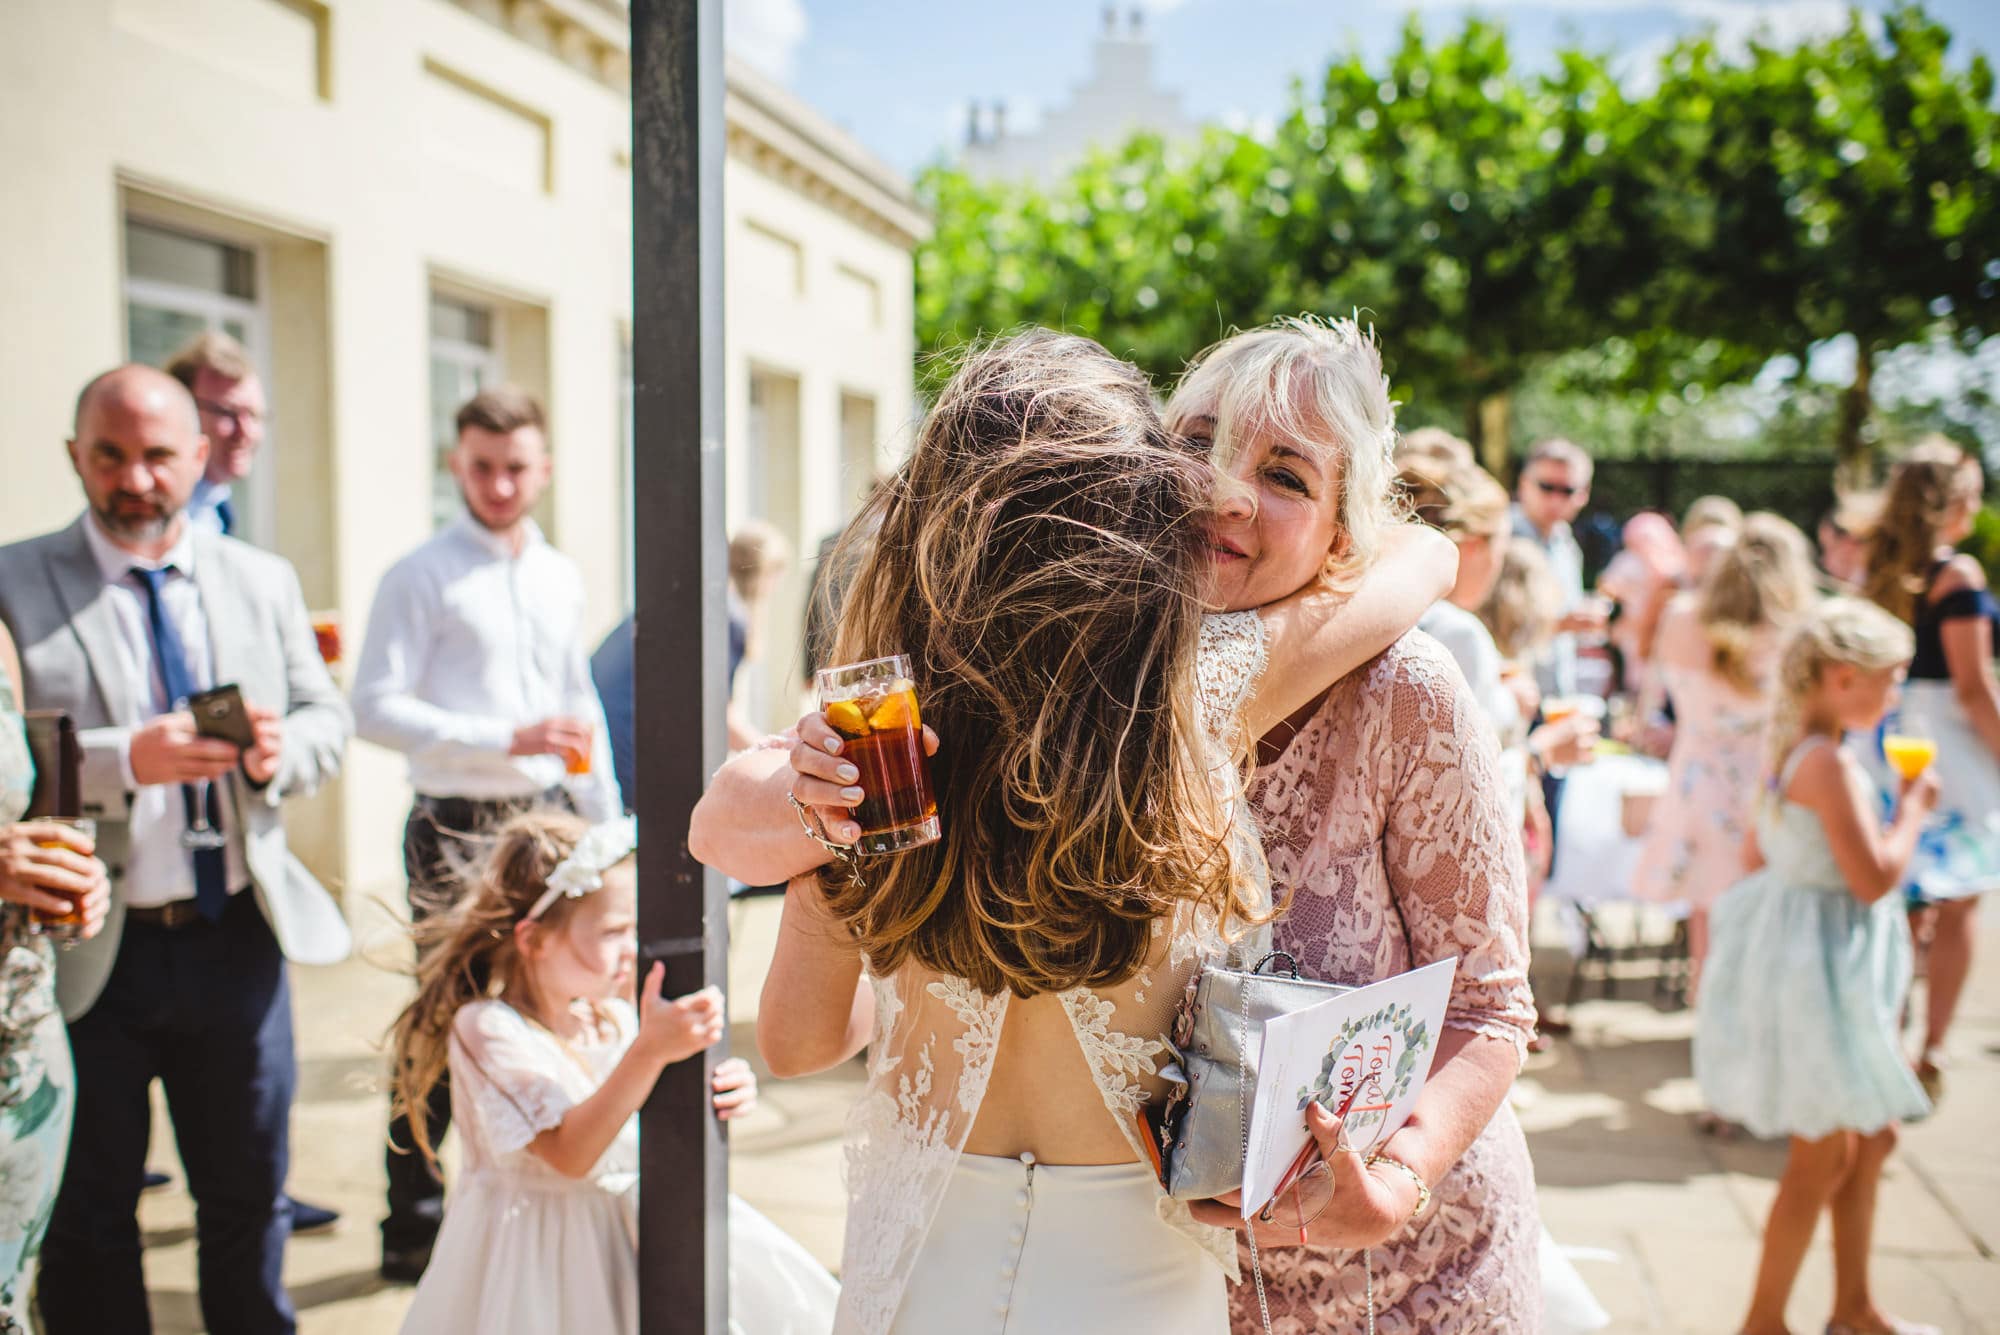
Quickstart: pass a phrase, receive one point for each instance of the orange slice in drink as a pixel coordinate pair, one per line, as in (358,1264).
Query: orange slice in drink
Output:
(847,718)
(898,711)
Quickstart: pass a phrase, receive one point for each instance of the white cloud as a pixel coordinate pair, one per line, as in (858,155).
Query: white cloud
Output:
(765,33)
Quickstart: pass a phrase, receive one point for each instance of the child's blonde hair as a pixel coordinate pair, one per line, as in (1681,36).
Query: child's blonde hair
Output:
(1758,586)
(1526,602)
(1839,632)
(468,953)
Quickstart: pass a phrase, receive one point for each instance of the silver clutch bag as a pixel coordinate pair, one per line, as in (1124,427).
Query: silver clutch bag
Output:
(1217,1039)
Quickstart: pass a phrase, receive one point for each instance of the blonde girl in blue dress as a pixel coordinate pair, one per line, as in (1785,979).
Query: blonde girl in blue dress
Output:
(1809,962)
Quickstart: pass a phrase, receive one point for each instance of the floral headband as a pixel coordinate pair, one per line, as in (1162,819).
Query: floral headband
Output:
(601,848)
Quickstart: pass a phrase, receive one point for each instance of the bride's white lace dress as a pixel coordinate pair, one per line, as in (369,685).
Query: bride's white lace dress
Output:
(938,1239)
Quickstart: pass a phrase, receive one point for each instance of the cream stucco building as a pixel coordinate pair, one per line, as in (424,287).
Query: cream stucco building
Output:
(392,202)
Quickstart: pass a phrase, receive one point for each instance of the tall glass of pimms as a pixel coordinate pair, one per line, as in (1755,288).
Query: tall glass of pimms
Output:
(873,706)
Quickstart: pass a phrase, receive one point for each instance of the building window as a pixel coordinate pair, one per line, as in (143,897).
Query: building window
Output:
(464,360)
(178,285)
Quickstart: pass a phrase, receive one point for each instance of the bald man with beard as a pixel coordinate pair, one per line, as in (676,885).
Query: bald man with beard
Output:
(120,618)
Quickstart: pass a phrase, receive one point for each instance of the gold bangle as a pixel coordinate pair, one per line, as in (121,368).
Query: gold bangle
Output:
(1423,1190)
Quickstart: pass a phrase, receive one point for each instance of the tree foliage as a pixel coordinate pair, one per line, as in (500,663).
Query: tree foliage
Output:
(1500,223)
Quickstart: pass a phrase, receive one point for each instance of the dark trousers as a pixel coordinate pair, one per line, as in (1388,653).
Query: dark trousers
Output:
(441,838)
(206,1010)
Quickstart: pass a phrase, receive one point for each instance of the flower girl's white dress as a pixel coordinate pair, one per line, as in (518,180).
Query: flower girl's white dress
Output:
(526,1249)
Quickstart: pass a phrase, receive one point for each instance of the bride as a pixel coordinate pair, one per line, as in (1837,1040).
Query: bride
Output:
(1042,559)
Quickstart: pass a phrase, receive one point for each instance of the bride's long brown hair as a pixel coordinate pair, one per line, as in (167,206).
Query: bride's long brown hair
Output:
(1039,558)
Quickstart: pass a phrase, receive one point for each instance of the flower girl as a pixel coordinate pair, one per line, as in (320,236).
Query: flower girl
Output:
(522,992)
(1809,961)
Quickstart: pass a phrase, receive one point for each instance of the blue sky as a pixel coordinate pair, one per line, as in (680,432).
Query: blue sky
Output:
(898,73)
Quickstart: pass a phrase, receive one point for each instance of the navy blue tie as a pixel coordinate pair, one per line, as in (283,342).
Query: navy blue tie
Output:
(211,875)
(226,513)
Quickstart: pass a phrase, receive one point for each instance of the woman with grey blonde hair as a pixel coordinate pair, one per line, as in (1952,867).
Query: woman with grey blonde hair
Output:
(1383,818)
(1042,558)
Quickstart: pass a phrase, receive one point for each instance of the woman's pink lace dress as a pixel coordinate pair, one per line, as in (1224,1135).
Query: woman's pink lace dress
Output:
(1383,820)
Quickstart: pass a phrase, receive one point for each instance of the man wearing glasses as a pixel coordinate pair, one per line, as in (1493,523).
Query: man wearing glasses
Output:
(228,393)
(1553,489)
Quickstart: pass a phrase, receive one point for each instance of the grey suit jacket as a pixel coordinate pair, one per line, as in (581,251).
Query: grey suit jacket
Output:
(54,601)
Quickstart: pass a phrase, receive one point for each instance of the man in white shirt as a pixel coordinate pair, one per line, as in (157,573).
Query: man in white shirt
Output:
(474,668)
(121,618)
(218,372)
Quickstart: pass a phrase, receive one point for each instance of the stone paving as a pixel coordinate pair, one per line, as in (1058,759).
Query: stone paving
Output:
(1663,1223)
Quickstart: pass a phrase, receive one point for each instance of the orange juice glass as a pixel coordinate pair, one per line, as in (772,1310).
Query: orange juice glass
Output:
(576,760)
(1909,755)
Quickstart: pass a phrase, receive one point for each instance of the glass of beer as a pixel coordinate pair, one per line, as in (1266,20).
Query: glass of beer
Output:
(326,633)
(873,706)
(65,928)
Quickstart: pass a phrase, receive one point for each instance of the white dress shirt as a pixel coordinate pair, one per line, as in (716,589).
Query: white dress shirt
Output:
(159,868)
(467,642)
(1555,671)
(204,507)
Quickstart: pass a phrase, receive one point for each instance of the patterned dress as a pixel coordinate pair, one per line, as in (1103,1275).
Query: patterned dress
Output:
(1694,843)
(37,1082)
(1383,821)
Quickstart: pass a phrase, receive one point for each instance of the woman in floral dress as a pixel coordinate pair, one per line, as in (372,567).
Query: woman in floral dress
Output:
(37,1083)
(1383,818)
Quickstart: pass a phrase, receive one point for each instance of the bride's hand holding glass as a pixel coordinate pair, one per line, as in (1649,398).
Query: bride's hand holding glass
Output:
(824,784)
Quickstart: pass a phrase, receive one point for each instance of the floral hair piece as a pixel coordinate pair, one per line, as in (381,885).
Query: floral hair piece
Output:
(602,847)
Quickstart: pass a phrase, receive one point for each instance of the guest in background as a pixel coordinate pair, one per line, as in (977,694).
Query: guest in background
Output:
(1464,502)
(611,668)
(1843,536)
(1553,489)
(1640,579)
(1718,654)
(49,867)
(758,555)
(473,667)
(1916,571)
(120,618)
(1707,529)
(228,393)
(1521,612)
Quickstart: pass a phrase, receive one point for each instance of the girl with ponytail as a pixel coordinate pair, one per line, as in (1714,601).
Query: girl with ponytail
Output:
(1716,655)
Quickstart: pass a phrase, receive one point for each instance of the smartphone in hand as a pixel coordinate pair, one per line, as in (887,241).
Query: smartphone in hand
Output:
(221,713)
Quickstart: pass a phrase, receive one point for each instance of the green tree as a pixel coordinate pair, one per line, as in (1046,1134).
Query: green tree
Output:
(1846,186)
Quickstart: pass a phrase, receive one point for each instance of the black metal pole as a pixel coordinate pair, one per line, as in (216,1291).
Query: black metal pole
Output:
(677,146)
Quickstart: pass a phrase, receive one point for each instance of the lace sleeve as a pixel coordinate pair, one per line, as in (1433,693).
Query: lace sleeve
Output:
(1230,659)
(516,1083)
(1453,863)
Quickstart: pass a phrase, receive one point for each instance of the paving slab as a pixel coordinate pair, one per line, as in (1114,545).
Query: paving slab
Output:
(1668,1220)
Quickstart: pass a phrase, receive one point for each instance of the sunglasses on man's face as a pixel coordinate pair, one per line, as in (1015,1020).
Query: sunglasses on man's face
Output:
(1556,488)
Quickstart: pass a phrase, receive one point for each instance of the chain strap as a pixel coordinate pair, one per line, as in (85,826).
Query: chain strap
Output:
(1243,1127)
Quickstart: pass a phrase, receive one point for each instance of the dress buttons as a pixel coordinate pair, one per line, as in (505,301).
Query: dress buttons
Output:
(1028,1158)
(1021,1198)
